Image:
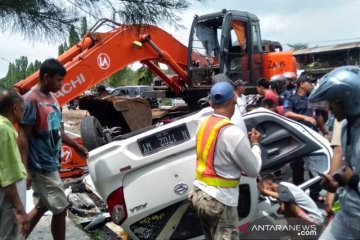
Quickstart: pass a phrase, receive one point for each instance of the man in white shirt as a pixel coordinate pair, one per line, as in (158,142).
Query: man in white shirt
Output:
(223,153)
(239,86)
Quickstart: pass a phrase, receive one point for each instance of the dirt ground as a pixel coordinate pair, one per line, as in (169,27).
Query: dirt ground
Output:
(72,119)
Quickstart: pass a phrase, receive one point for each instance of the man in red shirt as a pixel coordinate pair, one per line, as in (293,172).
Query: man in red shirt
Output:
(263,88)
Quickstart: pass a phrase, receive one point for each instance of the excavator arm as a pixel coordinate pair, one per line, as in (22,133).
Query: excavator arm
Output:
(100,55)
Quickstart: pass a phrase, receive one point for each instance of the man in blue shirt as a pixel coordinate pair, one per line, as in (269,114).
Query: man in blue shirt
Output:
(296,107)
(40,139)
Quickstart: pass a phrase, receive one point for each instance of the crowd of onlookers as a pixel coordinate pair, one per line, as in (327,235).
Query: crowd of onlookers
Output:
(296,97)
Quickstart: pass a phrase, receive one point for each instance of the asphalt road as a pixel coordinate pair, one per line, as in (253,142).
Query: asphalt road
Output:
(42,230)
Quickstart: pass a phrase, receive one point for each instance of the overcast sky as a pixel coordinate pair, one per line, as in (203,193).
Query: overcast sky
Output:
(318,22)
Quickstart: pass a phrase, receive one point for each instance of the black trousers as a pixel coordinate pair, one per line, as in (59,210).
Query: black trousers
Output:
(297,167)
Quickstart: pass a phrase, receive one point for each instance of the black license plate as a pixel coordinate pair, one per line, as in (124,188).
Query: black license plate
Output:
(163,139)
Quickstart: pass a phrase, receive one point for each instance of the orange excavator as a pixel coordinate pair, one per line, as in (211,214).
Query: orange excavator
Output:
(226,42)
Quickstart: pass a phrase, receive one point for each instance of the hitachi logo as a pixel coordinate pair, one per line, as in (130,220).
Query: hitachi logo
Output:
(69,86)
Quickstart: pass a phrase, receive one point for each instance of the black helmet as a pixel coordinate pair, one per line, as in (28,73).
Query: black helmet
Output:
(277,82)
(340,85)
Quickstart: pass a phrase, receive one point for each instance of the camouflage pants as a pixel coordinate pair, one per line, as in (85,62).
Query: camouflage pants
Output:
(218,221)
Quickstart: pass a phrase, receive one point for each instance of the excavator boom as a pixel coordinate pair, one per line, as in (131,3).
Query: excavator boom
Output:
(100,55)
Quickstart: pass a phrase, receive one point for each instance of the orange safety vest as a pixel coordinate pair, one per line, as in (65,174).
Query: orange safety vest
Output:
(205,149)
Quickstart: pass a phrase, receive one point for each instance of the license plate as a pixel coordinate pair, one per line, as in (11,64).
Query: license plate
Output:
(164,139)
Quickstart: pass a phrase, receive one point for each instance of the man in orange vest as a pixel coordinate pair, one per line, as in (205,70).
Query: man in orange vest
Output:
(223,153)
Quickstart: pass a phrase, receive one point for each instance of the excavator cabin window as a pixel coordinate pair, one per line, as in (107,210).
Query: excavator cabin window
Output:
(206,46)
(218,46)
(205,54)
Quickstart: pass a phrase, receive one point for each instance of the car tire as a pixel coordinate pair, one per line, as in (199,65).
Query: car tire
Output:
(92,133)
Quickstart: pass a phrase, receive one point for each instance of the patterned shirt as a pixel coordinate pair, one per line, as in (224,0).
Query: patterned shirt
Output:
(42,113)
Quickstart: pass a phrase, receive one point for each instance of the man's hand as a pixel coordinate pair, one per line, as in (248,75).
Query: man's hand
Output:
(255,136)
(329,183)
(261,187)
(82,151)
(329,202)
(310,120)
(24,222)
(281,209)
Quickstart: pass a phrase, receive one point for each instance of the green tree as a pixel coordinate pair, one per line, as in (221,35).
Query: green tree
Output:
(30,69)
(36,18)
(50,18)
(83,27)
(140,11)
(61,49)
(2,82)
(144,76)
(18,70)
(21,65)
(123,77)
(65,46)
(37,64)
(73,36)
(298,46)
(11,76)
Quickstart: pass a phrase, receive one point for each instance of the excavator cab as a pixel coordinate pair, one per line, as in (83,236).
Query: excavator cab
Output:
(226,42)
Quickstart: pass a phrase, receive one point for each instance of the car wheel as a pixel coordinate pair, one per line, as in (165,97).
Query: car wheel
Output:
(92,133)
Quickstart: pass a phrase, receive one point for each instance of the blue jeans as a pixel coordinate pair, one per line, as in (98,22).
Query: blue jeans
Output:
(342,227)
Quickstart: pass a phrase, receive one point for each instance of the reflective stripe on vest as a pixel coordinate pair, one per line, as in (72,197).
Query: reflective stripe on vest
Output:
(205,149)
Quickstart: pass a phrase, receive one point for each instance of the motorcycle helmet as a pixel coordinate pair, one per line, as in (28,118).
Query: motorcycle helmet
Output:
(290,75)
(340,85)
(277,82)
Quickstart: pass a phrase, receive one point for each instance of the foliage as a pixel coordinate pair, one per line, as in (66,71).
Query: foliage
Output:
(61,49)
(19,70)
(144,76)
(139,11)
(65,46)
(37,65)
(21,65)
(30,69)
(49,19)
(122,78)
(83,27)
(127,76)
(298,46)
(73,36)
(36,18)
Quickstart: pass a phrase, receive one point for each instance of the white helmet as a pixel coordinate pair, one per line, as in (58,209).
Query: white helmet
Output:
(290,75)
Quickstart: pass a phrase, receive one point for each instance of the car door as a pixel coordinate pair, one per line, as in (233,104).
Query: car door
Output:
(284,140)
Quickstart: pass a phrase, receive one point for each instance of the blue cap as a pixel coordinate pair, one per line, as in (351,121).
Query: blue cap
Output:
(221,92)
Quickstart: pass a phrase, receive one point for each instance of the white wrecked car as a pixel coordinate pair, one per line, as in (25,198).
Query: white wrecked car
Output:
(145,178)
